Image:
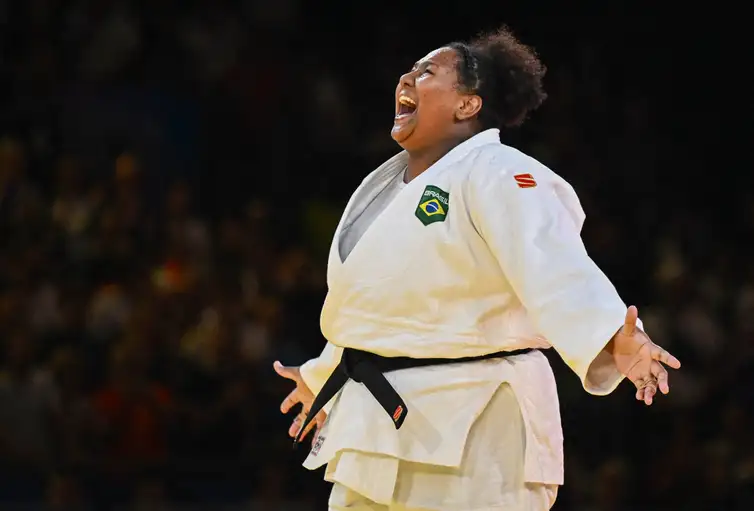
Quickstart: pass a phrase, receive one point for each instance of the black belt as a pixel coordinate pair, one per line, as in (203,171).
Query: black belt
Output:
(368,368)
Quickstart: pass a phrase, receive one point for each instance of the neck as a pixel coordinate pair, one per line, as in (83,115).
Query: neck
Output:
(421,159)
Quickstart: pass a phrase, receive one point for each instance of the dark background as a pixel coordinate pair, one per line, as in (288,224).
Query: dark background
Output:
(171,173)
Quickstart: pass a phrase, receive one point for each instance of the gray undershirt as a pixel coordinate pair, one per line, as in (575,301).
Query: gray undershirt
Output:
(353,233)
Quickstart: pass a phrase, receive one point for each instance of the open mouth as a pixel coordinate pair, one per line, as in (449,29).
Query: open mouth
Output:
(406,106)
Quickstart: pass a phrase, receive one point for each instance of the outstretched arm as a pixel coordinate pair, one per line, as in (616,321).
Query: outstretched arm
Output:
(537,242)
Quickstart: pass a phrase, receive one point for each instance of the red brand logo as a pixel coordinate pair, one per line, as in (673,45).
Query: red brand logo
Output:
(525,180)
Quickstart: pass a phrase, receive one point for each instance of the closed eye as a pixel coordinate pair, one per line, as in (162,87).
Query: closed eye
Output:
(423,68)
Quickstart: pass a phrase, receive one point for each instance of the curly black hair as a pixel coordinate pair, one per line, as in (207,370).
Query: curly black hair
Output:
(505,73)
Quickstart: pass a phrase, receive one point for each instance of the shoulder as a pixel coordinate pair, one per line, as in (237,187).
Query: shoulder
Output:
(498,161)
(500,171)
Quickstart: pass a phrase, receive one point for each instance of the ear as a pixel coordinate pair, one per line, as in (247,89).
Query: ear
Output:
(468,107)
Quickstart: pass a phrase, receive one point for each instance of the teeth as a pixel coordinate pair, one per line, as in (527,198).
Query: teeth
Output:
(405,100)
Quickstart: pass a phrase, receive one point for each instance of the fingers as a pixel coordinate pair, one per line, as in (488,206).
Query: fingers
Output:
(663,356)
(646,388)
(629,325)
(649,392)
(296,425)
(320,420)
(313,424)
(317,422)
(293,399)
(290,401)
(661,375)
(656,378)
(289,373)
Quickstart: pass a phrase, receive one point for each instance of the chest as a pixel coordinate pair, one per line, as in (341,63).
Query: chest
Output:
(422,235)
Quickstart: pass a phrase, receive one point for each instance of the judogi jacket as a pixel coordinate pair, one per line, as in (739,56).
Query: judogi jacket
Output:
(480,253)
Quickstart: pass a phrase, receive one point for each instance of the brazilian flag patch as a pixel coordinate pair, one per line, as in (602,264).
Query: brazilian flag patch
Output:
(433,205)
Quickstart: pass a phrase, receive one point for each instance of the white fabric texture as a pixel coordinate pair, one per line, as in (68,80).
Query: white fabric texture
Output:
(490,477)
(351,235)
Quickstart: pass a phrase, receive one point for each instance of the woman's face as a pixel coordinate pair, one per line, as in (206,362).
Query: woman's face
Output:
(428,103)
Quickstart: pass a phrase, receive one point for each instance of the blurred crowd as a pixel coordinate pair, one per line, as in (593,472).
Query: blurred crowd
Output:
(170,174)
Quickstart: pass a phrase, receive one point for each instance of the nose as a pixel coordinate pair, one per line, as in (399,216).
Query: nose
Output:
(407,79)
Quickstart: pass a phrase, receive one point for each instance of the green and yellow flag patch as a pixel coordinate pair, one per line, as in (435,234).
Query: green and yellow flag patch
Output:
(433,205)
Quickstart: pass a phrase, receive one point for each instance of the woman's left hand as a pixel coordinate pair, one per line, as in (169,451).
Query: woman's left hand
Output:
(641,360)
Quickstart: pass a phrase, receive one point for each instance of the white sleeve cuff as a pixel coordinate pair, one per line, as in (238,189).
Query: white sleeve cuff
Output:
(602,376)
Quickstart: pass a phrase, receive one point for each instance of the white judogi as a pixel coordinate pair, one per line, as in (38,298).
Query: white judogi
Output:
(504,268)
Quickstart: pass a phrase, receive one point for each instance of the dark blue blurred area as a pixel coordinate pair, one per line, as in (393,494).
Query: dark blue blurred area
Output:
(171,173)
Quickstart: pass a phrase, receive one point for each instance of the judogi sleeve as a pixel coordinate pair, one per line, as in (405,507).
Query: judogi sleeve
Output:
(317,370)
(533,229)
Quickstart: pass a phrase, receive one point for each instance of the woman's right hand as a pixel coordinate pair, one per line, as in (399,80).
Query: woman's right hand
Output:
(301,394)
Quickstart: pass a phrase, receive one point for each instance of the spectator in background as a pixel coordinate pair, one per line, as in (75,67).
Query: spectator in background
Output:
(132,415)
(28,402)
